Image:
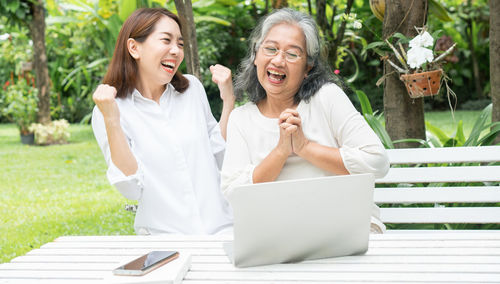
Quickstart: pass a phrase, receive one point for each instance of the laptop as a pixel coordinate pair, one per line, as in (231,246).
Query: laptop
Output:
(295,220)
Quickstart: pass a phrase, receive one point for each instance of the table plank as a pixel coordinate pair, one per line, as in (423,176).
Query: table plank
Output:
(472,259)
(83,268)
(217,245)
(220,252)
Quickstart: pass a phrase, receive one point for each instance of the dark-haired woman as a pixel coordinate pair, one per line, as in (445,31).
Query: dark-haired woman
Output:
(299,123)
(154,126)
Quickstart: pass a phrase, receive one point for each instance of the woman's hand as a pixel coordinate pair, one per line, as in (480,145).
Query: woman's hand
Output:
(299,141)
(284,146)
(221,75)
(104,97)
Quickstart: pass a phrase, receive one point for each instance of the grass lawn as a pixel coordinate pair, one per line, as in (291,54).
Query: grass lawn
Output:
(444,120)
(51,191)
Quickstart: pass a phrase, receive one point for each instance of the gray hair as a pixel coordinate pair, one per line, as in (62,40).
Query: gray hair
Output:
(246,80)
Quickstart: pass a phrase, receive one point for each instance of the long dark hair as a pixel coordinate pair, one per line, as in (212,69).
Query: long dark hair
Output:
(122,71)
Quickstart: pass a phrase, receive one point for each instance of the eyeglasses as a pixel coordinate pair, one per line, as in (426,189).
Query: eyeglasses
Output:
(290,55)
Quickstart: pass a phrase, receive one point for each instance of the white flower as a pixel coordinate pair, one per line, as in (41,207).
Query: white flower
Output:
(4,37)
(422,40)
(357,25)
(419,55)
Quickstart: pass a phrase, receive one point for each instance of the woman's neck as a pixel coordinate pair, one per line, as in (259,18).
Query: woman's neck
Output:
(149,91)
(272,107)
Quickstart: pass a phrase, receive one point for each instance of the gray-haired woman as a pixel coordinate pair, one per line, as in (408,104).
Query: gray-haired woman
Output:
(299,123)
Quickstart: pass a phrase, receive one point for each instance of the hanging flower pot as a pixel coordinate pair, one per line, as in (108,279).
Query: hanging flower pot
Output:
(422,84)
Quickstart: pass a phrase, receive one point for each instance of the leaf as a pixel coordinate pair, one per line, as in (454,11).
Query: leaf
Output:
(96,63)
(402,38)
(356,67)
(126,8)
(366,107)
(212,19)
(60,20)
(373,45)
(459,134)
(379,129)
(443,138)
(490,137)
(439,11)
(479,126)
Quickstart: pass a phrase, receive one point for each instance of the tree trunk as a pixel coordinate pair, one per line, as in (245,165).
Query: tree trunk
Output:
(494,60)
(404,117)
(475,65)
(277,4)
(185,13)
(37,29)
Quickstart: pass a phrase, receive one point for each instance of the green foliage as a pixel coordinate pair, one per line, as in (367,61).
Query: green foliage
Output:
(482,134)
(88,32)
(222,28)
(55,191)
(19,104)
(17,12)
(375,123)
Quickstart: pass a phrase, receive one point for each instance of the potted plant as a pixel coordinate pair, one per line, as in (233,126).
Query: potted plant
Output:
(20,105)
(420,66)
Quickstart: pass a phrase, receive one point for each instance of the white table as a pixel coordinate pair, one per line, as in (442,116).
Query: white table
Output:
(414,257)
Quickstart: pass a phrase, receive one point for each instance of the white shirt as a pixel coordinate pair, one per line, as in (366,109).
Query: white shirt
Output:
(328,119)
(179,150)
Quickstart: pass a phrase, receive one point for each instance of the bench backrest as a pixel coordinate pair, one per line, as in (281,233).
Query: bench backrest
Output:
(434,178)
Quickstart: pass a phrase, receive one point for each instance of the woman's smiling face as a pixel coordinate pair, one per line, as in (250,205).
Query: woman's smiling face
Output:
(282,74)
(160,55)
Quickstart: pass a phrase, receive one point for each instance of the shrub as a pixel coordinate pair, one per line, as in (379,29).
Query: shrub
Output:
(56,132)
(20,103)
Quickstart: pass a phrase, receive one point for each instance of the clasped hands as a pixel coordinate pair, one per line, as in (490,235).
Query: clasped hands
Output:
(292,139)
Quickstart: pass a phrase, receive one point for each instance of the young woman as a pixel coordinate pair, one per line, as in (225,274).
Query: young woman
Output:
(154,126)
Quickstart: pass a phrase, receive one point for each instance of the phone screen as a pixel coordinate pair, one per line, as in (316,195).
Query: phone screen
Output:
(147,261)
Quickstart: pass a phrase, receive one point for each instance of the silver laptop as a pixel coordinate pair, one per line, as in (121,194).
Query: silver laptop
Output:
(295,220)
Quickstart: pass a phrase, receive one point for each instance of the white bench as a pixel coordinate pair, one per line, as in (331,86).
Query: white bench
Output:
(434,178)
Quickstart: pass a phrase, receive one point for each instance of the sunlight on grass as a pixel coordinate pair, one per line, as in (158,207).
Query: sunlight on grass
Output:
(51,191)
(444,120)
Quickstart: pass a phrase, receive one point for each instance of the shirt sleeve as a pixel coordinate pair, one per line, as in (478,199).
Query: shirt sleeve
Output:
(129,186)
(217,142)
(237,168)
(359,146)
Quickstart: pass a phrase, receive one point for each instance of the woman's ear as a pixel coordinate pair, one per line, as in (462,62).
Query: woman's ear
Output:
(308,68)
(133,48)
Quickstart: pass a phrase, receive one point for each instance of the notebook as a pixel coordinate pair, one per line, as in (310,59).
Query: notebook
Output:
(295,220)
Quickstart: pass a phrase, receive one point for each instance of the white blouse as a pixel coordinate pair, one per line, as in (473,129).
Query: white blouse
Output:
(328,119)
(179,149)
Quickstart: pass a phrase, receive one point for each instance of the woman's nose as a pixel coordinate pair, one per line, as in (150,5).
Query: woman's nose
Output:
(279,58)
(174,49)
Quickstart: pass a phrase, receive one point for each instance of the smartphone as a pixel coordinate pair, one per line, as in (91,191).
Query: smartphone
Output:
(146,263)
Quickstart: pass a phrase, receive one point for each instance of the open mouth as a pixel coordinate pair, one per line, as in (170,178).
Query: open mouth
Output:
(169,66)
(275,76)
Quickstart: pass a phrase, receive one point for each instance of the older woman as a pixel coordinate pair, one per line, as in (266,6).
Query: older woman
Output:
(299,123)
(162,145)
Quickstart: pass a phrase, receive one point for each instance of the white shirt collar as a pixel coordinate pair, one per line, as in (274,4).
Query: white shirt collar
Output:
(137,97)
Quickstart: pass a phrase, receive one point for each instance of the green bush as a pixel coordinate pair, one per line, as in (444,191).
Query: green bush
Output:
(20,103)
